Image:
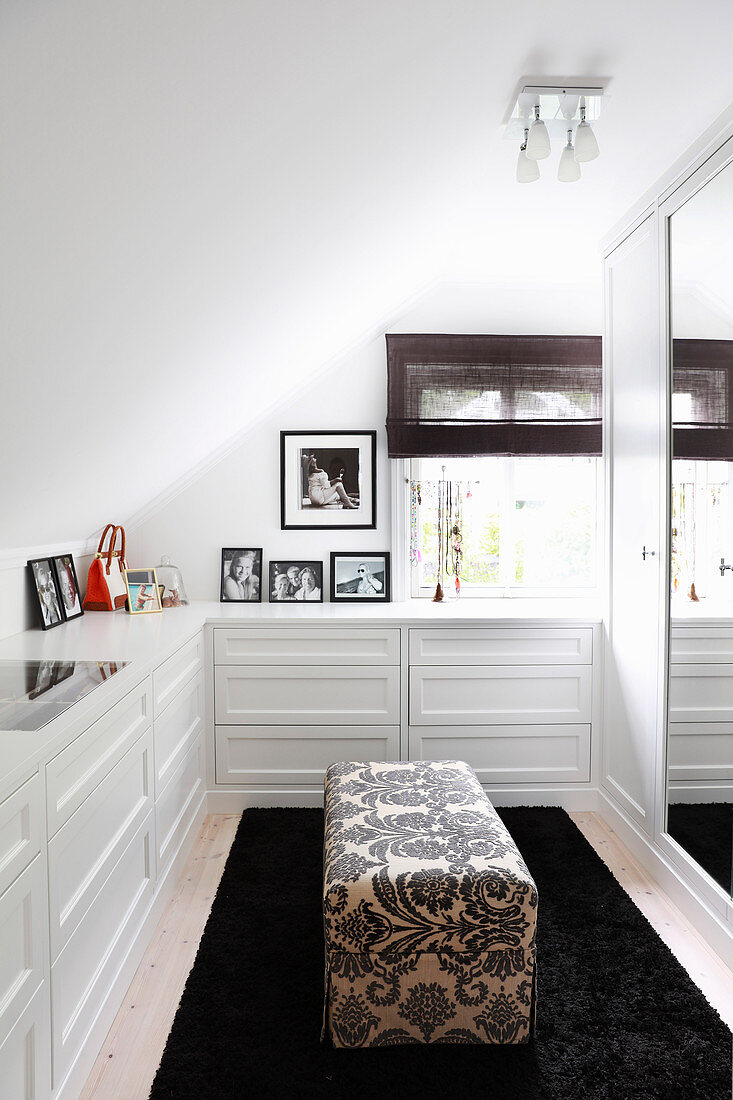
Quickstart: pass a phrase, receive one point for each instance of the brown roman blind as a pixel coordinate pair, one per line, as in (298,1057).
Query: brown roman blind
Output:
(702,401)
(493,395)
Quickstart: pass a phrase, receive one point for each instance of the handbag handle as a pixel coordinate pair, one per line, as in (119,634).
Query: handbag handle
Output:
(109,527)
(111,552)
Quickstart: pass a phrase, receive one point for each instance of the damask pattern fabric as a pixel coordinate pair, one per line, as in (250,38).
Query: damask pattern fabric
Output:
(429,910)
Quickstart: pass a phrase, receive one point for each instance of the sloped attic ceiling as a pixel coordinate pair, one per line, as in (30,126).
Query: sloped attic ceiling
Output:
(203,201)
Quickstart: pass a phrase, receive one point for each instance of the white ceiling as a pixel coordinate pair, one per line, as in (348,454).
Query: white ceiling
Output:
(203,201)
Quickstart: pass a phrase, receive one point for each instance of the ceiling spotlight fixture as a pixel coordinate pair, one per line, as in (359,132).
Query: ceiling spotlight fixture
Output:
(568,170)
(538,142)
(558,112)
(586,146)
(527,170)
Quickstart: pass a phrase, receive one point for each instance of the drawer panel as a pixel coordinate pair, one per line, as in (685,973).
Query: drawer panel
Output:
(176,807)
(700,693)
(503,695)
(20,830)
(84,851)
(509,754)
(84,972)
(297,754)
(307,695)
(700,751)
(79,768)
(25,1056)
(173,674)
(306,646)
(701,645)
(501,645)
(22,943)
(177,729)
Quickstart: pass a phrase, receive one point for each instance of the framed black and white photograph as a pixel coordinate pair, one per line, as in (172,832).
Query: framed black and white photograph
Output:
(143,593)
(296,581)
(360,578)
(241,575)
(49,600)
(68,586)
(328,479)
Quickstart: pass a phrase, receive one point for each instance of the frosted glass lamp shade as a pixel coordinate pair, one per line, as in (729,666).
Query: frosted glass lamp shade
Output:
(568,170)
(527,170)
(568,106)
(586,146)
(538,142)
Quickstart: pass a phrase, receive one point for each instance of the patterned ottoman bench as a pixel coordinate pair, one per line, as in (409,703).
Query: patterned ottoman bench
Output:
(429,910)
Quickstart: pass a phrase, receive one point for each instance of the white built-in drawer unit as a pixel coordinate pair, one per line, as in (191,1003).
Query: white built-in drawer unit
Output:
(23,939)
(306,646)
(307,694)
(700,693)
(170,677)
(502,646)
(515,702)
(701,645)
(25,1055)
(177,728)
(277,755)
(21,816)
(80,767)
(700,752)
(85,849)
(176,807)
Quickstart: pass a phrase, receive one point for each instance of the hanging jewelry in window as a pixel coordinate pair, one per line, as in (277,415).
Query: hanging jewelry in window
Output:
(415,502)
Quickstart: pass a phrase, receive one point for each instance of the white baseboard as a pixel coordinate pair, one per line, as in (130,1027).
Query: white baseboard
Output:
(76,1078)
(711,925)
(569,798)
(233,802)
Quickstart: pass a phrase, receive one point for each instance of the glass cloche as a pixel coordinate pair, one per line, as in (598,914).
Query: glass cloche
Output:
(169,576)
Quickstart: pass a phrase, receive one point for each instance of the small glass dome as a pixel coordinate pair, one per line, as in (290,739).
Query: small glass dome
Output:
(173,593)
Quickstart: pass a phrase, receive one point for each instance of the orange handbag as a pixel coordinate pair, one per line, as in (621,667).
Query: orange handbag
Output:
(106,589)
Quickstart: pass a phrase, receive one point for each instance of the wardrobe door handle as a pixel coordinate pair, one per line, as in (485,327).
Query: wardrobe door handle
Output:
(647,553)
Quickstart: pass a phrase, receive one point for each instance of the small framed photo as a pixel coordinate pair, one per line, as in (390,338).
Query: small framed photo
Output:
(328,479)
(68,586)
(49,600)
(296,581)
(143,593)
(360,578)
(241,575)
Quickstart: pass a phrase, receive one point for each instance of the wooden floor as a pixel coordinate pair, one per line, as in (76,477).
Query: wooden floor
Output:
(130,1054)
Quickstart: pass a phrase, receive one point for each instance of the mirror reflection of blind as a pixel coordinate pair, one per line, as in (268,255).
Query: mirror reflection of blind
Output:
(493,395)
(702,399)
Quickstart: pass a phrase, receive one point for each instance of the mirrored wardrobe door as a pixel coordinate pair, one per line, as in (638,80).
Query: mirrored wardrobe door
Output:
(700,719)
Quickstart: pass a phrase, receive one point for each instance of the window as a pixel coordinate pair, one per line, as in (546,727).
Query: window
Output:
(527,525)
(702,519)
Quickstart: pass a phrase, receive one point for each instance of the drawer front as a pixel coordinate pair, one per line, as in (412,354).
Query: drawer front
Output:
(83,974)
(20,830)
(307,695)
(176,807)
(700,693)
(173,674)
(79,768)
(701,645)
(501,646)
(700,752)
(509,754)
(25,1056)
(297,755)
(84,851)
(502,695)
(306,646)
(22,943)
(177,729)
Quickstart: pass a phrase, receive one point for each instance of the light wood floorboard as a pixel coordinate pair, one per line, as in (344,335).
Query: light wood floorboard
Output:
(129,1058)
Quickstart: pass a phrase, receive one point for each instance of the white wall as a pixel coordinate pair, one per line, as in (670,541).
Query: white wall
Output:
(237,503)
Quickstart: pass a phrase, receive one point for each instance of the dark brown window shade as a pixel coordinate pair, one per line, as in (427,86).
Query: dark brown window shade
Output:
(702,403)
(493,395)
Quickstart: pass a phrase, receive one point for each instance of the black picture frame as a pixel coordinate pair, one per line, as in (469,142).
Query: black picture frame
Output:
(67,584)
(228,556)
(292,569)
(378,571)
(345,457)
(43,580)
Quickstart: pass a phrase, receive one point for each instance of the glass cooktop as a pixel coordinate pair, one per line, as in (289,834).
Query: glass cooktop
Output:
(34,692)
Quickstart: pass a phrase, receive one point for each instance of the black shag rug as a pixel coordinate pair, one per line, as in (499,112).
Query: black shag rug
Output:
(618,1017)
(705,831)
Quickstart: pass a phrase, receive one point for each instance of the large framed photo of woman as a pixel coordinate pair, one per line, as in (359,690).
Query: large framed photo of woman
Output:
(327,480)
